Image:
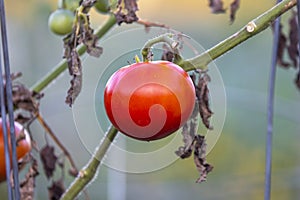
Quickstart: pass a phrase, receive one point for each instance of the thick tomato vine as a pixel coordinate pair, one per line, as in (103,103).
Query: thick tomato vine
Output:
(149,100)
(23,146)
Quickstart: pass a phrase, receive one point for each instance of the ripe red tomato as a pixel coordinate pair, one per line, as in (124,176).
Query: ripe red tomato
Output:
(149,100)
(23,146)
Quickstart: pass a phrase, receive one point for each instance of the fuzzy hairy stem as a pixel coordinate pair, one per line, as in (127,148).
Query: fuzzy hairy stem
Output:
(88,172)
(62,65)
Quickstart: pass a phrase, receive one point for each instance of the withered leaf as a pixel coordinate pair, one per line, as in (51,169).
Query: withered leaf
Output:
(234,6)
(186,150)
(189,131)
(194,143)
(297,80)
(282,45)
(27,185)
(90,41)
(216,6)
(200,158)
(82,34)
(48,159)
(167,53)
(56,190)
(23,98)
(293,40)
(25,101)
(128,13)
(87,4)
(202,95)
(22,118)
(75,70)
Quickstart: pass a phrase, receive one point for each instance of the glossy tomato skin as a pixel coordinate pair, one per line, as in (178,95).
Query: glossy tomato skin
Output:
(149,100)
(23,146)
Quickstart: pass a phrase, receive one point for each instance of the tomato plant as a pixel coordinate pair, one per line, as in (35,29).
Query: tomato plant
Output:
(23,146)
(60,21)
(149,100)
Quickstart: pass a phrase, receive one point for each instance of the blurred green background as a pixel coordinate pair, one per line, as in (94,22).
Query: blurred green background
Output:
(238,156)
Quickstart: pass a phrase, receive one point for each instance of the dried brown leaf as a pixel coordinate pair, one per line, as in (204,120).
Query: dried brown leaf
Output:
(82,34)
(282,46)
(56,190)
(27,185)
(297,80)
(48,159)
(128,13)
(167,53)
(216,6)
(90,41)
(186,150)
(234,6)
(189,131)
(25,101)
(202,94)
(200,158)
(75,70)
(293,40)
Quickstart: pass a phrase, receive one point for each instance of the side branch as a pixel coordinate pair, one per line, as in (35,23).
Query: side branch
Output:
(252,28)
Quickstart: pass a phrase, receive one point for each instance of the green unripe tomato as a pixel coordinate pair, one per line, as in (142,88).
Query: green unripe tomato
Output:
(60,21)
(102,6)
(68,4)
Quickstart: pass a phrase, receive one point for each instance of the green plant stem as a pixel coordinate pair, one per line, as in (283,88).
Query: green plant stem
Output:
(252,28)
(201,61)
(62,65)
(88,172)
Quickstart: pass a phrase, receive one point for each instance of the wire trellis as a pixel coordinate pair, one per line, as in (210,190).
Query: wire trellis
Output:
(6,100)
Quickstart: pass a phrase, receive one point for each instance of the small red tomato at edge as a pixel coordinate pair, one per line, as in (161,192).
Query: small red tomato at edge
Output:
(23,146)
(149,100)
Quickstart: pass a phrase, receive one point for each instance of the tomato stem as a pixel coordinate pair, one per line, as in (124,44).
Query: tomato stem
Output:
(166,38)
(252,28)
(62,65)
(89,171)
(201,61)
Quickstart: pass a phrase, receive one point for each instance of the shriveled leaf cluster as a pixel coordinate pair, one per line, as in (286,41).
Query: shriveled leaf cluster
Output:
(82,34)
(126,11)
(195,144)
(201,80)
(288,44)
(26,109)
(48,159)
(217,6)
(27,185)
(25,101)
(49,162)
(56,190)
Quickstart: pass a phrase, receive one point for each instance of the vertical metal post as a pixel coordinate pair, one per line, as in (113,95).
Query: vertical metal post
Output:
(270,111)
(9,104)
